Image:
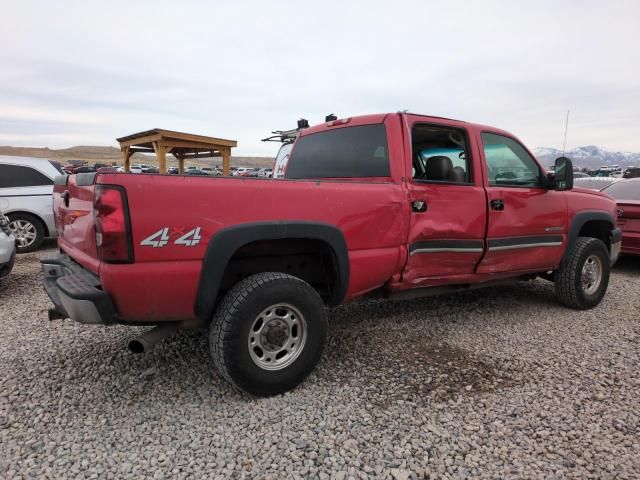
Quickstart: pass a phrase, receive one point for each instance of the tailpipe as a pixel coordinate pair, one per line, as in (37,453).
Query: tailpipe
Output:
(148,339)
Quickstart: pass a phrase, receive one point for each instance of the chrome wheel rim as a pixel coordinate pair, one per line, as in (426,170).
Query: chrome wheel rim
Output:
(277,337)
(24,231)
(591,274)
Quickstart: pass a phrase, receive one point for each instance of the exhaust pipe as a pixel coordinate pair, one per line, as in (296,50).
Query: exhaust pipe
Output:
(148,339)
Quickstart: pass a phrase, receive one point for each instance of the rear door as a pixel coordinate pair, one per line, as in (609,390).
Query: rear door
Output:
(448,201)
(527,222)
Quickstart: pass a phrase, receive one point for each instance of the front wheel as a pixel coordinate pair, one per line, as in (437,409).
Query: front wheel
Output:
(268,333)
(582,280)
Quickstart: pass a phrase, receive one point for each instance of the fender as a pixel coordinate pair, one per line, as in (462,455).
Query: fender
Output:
(227,241)
(578,222)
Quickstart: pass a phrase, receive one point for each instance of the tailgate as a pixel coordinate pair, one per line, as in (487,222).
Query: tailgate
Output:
(73,210)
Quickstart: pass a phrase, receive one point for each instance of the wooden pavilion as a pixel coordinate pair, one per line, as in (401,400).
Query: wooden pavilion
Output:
(182,146)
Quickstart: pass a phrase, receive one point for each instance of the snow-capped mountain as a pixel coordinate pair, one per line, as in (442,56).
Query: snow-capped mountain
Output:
(588,156)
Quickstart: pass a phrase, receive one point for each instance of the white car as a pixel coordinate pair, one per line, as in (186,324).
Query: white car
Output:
(26,197)
(135,168)
(7,247)
(241,171)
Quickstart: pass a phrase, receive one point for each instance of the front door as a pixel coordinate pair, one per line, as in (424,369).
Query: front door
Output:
(527,221)
(448,203)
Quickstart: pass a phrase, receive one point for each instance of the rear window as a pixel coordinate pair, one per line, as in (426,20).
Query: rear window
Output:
(624,190)
(12,176)
(341,153)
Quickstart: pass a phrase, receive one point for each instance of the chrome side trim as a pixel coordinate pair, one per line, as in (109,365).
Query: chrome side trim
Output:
(435,250)
(525,245)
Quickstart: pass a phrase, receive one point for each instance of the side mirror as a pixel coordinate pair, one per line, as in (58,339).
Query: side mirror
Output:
(563,178)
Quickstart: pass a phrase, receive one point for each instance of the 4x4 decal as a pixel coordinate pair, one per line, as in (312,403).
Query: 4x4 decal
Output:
(163,237)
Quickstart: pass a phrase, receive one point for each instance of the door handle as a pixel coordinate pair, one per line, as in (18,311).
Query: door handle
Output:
(497,205)
(419,206)
(65,198)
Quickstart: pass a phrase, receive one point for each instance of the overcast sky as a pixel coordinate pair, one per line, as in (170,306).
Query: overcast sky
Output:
(86,72)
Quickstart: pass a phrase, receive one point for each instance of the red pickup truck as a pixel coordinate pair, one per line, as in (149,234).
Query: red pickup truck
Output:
(397,204)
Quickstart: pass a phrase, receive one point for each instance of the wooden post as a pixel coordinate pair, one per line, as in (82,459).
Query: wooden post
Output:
(161,154)
(127,155)
(181,164)
(226,153)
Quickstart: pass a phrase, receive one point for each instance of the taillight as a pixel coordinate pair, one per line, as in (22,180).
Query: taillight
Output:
(113,228)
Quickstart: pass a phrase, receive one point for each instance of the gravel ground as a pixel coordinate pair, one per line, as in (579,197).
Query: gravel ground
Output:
(501,383)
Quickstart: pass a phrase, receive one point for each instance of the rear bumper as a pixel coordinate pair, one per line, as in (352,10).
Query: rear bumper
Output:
(616,243)
(76,292)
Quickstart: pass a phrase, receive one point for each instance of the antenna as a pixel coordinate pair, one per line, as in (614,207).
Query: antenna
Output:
(566,127)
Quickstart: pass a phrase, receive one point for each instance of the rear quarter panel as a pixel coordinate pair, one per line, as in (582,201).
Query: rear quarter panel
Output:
(162,284)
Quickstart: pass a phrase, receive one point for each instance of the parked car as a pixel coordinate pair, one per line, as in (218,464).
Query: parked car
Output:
(627,196)
(26,188)
(632,172)
(107,170)
(85,169)
(196,172)
(242,172)
(594,183)
(7,247)
(390,204)
(265,172)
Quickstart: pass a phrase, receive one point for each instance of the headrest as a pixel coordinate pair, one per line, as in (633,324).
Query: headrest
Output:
(439,167)
(459,175)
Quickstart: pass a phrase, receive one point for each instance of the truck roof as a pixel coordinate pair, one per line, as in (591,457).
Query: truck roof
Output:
(380,117)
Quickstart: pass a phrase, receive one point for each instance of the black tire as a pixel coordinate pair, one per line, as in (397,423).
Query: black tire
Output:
(37,225)
(230,332)
(568,278)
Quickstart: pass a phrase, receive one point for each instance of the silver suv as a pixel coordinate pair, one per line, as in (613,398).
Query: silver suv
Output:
(26,197)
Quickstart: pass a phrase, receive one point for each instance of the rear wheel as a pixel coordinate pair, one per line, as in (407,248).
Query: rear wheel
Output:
(582,280)
(268,333)
(28,230)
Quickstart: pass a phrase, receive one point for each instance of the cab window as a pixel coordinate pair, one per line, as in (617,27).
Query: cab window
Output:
(508,163)
(440,154)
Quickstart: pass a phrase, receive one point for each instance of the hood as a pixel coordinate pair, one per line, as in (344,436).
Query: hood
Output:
(591,192)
